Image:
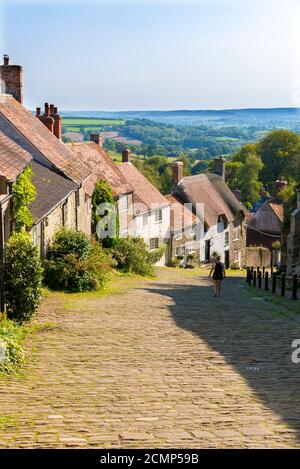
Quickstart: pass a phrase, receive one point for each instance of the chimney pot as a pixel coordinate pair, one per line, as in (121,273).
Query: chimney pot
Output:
(57,123)
(51,109)
(96,138)
(280,185)
(219,166)
(6,59)
(177,171)
(47,110)
(126,155)
(46,119)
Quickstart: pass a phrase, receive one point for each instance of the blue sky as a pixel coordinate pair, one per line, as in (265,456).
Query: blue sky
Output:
(155,54)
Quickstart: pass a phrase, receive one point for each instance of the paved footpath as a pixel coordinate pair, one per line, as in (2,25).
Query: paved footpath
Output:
(164,365)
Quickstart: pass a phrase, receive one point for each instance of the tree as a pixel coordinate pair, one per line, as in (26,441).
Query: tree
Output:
(243,173)
(280,154)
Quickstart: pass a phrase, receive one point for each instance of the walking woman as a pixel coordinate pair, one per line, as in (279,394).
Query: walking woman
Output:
(218,273)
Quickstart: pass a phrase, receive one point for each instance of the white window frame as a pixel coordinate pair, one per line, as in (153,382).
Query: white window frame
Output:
(180,250)
(145,218)
(178,234)
(236,234)
(158,216)
(153,239)
(123,203)
(227,235)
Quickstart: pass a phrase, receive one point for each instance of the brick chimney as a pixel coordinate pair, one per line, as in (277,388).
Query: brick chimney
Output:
(177,171)
(46,119)
(96,138)
(57,129)
(11,79)
(280,185)
(219,166)
(126,155)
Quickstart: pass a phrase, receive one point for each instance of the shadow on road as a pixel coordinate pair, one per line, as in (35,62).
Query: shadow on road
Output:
(252,337)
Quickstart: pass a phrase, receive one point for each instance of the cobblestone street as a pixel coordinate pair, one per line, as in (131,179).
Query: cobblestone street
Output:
(162,365)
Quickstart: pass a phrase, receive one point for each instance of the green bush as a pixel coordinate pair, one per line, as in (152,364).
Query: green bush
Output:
(174,262)
(12,354)
(23,277)
(76,263)
(132,256)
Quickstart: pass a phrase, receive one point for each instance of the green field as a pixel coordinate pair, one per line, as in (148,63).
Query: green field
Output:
(82,122)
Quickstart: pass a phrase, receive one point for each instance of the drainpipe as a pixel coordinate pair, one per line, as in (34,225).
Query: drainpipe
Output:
(2,298)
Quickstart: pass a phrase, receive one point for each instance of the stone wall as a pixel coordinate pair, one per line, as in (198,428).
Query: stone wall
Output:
(257,257)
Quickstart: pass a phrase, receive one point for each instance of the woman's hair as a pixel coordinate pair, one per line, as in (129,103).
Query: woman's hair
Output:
(218,258)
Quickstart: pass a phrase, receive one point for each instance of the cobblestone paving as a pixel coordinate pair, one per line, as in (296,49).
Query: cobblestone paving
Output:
(165,365)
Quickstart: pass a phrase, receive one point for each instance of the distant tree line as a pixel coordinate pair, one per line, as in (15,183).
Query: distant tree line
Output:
(254,166)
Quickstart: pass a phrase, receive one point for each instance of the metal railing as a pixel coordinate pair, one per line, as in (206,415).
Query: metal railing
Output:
(270,281)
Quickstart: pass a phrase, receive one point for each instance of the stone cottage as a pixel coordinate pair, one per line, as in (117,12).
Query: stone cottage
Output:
(293,240)
(222,214)
(61,179)
(151,211)
(185,231)
(264,226)
(101,166)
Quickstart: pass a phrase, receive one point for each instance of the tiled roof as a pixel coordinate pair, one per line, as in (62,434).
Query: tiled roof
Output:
(268,218)
(144,192)
(212,191)
(51,189)
(32,135)
(180,215)
(13,159)
(96,158)
(278,209)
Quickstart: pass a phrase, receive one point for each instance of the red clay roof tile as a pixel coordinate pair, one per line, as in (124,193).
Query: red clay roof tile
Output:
(144,192)
(13,159)
(96,158)
(32,135)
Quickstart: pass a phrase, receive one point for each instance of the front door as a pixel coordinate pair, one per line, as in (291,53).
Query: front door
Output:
(207,250)
(226,258)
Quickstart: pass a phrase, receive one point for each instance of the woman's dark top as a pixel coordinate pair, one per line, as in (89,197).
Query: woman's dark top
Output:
(218,271)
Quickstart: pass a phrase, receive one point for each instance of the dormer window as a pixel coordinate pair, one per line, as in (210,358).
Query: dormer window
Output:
(222,221)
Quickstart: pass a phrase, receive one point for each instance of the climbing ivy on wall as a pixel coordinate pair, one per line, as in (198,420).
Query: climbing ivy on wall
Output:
(103,195)
(24,193)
